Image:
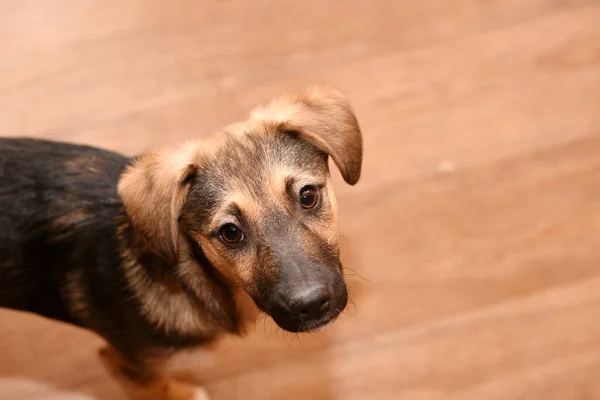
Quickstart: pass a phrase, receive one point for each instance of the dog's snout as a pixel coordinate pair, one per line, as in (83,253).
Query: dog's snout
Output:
(308,296)
(311,303)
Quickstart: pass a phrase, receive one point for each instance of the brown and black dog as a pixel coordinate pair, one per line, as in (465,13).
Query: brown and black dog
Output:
(149,252)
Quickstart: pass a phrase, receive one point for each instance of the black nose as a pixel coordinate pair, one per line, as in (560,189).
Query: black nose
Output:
(310,303)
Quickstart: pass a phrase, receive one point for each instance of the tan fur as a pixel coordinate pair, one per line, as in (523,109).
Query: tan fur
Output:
(237,272)
(332,198)
(67,221)
(70,219)
(244,201)
(62,224)
(164,305)
(278,177)
(153,191)
(74,294)
(328,227)
(246,306)
(241,272)
(325,226)
(280,174)
(155,387)
(81,164)
(324,117)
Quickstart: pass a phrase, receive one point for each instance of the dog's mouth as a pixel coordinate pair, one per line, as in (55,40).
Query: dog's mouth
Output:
(312,326)
(296,325)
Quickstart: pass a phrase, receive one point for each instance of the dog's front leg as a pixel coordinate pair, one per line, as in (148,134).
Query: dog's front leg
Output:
(144,381)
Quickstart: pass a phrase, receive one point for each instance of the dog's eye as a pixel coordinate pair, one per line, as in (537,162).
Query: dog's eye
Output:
(309,197)
(231,233)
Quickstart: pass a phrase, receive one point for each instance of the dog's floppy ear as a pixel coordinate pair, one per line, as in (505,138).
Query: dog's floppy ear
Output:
(154,189)
(323,117)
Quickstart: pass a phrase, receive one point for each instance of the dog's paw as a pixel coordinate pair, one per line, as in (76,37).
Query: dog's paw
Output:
(159,388)
(200,394)
(184,391)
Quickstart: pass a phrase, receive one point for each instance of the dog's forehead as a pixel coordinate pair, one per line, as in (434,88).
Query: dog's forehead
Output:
(251,171)
(254,158)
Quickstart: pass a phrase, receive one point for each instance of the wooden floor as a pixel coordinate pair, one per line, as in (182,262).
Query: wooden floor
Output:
(475,227)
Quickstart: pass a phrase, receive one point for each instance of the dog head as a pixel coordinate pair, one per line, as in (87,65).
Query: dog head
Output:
(255,204)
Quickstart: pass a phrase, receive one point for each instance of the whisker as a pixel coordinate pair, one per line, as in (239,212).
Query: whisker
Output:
(355,273)
(264,320)
(274,330)
(255,316)
(292,336)
(352,302)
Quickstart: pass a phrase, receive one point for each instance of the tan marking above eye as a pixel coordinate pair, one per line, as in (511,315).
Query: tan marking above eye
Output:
(249,206)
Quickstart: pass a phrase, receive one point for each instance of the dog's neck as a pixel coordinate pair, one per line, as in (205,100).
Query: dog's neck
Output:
(185,297)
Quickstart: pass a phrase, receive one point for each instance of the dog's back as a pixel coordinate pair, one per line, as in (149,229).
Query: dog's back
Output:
(54,198)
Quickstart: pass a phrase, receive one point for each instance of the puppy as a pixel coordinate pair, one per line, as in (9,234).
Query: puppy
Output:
(148,252)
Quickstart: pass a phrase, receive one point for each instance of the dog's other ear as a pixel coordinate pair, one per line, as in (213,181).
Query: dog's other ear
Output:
(154,190)
(323,117)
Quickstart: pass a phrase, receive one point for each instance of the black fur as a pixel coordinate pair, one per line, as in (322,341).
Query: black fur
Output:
(59,214)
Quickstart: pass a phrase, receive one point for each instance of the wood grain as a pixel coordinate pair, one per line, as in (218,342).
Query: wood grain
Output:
(474,232)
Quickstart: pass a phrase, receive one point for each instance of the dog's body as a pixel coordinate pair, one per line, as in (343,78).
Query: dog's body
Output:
(147,252)
(61,233)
